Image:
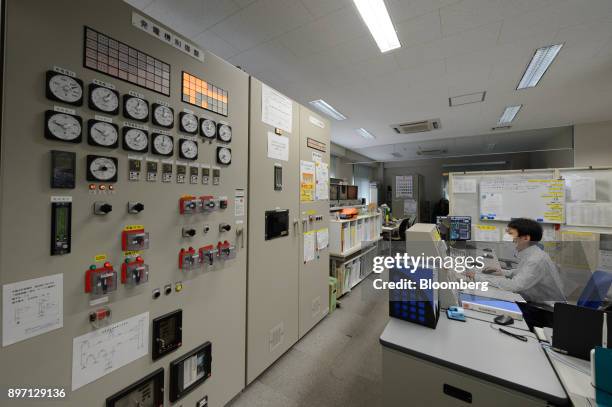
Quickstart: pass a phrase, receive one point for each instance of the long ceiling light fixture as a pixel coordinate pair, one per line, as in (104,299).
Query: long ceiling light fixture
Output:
(326,108)
(538,66)
(365,134)
(509,114)
(375,15)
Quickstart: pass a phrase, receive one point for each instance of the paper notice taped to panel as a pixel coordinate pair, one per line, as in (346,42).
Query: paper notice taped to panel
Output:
(491,205)
(464,185)
(580,188)
(588,214)
(276,109)
(403,186)
(486,233)
(278,147)
(32,307)
(307,181)
(322,181)
(105,350)
(322,238)
(605,260)
(309,246)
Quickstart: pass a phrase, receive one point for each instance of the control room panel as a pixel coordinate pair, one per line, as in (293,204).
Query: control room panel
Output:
(124,188)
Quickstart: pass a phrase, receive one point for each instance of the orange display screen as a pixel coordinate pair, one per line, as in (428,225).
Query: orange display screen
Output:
(203,94)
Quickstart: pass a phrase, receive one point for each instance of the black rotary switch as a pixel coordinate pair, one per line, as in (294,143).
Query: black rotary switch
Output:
(135,207)
(189,232)
(102,208)
(225,227)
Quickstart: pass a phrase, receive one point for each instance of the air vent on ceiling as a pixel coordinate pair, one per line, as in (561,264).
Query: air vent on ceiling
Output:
(467,99)
(437,151)
(416,127)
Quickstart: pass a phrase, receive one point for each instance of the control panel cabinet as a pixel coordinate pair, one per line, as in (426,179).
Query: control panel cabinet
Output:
(122,203)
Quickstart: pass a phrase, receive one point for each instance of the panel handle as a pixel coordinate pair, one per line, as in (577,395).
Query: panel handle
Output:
(457,393)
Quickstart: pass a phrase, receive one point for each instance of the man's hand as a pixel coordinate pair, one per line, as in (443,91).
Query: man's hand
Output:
(495,270)
(470,273)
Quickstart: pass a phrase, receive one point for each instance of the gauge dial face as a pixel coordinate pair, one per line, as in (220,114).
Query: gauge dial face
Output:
(64,88)
(208,128)
(103,99)
(103,134)
(224,132)
(135,139)
(163,144)
(136,108)
(224,155)
(63,126)
(102,168)
(163,116)
(188,149)
(189,123)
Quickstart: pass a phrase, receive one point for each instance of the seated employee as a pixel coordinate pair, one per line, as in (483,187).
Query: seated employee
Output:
(536,277)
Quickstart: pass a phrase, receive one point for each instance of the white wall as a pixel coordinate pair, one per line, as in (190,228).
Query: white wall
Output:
(593,144)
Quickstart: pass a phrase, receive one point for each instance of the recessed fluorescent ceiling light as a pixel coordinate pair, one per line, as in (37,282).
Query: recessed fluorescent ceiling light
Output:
(326,108)
(509,114)
(540,62)
(376,17)
(365,134)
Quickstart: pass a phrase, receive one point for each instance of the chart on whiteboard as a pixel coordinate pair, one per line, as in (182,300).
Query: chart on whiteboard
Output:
(100,352)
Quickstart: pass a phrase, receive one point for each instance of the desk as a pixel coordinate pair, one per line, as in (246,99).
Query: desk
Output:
(421,366)
(388,232)
(574,374)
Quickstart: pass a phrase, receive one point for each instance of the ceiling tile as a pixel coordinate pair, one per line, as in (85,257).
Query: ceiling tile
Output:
(215,44)
(401,10)
(261,21)
(326,32)
(469,14)
(471,40)
(419,30)
(320,8)
(190,17)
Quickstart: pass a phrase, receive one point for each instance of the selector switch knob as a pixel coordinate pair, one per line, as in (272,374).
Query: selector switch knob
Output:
(225,227)
(189,232)
(168,289)
(102,208)
(206,228)
(135,207)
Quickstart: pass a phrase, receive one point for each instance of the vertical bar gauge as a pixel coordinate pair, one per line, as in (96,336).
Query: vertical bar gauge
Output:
(61,228)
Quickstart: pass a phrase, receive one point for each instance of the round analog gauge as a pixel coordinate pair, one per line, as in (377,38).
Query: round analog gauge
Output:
(224,155)
(64,88)
(135,139)
(102,168)
(63,126)
(208,128)
(189,123)
(135,108)
(163,144)
(224,132)
(103,99)
(102,134)
(163,116)
(188,149)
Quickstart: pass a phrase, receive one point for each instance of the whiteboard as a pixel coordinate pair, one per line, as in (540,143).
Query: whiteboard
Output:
(505,199)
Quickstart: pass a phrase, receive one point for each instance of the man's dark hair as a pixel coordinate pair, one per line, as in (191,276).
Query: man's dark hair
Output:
(527,227)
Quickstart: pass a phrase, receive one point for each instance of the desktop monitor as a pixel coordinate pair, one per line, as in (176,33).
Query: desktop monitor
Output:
(460,228)
(351,192)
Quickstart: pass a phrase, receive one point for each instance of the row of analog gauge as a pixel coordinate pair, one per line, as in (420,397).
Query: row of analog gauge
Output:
(67,89)
(67,127)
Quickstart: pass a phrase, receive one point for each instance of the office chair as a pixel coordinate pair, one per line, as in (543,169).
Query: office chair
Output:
(402,229)
(594,293)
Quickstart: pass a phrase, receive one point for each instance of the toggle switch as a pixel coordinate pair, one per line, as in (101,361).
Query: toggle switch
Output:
(225,227)
(156,293)
(189,232)
(206,229)
(102,208)
(135,207)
